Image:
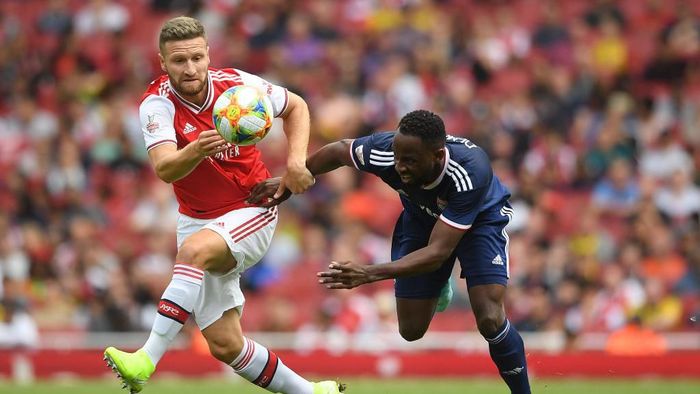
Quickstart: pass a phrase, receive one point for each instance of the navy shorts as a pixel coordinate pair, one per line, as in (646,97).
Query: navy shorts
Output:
(482,253)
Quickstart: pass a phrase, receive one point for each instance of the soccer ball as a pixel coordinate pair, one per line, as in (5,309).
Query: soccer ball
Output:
(243,115)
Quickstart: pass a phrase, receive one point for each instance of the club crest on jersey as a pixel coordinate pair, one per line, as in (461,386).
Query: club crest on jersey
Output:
(152,125)
(442,204)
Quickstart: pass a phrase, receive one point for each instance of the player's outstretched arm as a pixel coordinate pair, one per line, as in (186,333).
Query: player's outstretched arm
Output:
(296,117)
(263,194)
(346,275)
(326,159)
(329,157)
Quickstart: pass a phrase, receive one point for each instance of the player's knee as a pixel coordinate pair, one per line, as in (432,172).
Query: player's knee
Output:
(489,323)
(196,254)
(225,348)
(411,333)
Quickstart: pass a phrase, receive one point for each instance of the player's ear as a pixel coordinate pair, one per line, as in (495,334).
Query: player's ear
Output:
(162,62)
(439,153)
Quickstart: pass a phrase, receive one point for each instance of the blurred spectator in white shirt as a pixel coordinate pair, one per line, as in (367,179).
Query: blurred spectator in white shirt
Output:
(17,327)
(680,198)
(101,16)
(667,157)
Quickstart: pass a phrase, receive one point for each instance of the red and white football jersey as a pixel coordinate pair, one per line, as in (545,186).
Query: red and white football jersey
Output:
(219,183)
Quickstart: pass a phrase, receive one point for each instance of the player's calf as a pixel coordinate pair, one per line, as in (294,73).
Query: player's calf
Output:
(262,367)
(508,353)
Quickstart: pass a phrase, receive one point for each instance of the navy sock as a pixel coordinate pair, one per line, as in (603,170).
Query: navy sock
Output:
(508,353)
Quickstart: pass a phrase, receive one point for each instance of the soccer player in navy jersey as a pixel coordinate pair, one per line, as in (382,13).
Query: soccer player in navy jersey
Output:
(454,207)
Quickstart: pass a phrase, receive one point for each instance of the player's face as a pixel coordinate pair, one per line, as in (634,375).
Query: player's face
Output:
(416,162)
(186,63)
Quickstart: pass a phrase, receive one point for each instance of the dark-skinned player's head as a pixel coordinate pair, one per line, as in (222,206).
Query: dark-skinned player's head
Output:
(419,147)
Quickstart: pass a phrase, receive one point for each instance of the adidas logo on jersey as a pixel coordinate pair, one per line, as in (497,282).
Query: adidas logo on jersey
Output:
(188,128)
(497,260)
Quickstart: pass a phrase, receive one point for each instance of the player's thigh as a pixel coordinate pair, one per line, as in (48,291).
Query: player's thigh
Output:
(416,296)
(237,239)
(247,233)
(483,252)
(207,250)
(415,315)
(487,299)
(487,302)
(424,286)
(201,247)
(409,236)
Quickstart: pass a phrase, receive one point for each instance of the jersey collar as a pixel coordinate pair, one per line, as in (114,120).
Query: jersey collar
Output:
(190,105)
(437,181)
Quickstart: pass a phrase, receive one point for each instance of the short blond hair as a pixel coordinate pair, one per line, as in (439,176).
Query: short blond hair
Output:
(180,28)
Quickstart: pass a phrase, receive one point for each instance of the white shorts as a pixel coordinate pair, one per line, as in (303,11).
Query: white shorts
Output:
(248,233)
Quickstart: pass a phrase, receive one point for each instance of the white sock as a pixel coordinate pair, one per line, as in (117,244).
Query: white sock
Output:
(262,367)
(174,308)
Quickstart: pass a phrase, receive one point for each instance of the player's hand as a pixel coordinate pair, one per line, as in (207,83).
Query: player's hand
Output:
(209,142)
(344,275)
(297,179)
(262,193)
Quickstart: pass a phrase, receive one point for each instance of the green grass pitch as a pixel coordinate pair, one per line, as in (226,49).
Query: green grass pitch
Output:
(367,386)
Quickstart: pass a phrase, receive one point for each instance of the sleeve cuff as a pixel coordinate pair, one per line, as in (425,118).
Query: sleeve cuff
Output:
(456,225)
(161,142)
(352,156)
(286,102)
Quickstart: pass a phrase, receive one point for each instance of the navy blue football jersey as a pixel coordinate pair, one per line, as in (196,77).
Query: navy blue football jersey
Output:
(466,186)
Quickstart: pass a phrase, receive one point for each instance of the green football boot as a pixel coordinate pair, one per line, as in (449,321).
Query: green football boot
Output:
(328,387)
(445,297)
(133,369)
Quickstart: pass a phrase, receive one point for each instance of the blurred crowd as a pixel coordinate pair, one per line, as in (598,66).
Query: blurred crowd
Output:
(589,110)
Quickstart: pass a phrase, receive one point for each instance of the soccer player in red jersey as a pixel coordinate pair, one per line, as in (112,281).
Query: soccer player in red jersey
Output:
(219,235)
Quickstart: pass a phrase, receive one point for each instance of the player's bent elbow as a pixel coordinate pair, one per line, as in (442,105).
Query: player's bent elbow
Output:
(164,177)
(345,144)
(163,173)
(296,102)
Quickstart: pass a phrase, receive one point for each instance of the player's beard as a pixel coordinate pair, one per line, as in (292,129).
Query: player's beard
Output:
(189,88)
